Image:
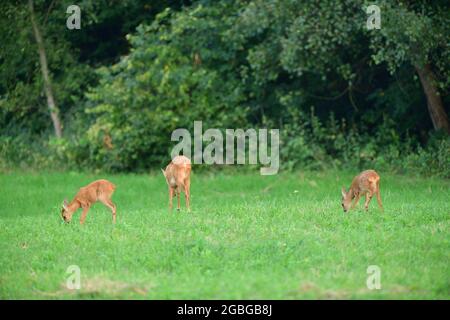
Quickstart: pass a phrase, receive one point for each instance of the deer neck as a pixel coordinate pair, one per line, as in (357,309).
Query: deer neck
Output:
(73,206)
(352,193)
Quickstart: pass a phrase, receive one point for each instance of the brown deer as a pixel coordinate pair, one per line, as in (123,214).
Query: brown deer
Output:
(100,190)
(366,183)
(178,178)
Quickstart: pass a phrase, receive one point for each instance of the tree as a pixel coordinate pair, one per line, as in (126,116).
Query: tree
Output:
(434,101)
(54,112)
(417,33)
(178,71)
(329,40)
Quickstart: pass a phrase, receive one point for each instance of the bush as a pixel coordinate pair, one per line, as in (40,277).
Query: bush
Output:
(434,160)
(307,143)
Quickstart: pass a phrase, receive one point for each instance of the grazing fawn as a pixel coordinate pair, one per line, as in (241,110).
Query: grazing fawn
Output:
(100,190)
(366,183)
(178,178)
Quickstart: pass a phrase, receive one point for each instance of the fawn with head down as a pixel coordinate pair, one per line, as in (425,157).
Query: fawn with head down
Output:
(366,183)
(100,190)
(178,178)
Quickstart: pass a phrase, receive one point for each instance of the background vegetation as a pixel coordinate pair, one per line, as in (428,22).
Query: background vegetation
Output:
(342,95)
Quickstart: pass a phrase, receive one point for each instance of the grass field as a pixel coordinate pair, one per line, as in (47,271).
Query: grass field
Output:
(248,237)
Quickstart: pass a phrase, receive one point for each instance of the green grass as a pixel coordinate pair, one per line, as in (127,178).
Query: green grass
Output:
(248,237)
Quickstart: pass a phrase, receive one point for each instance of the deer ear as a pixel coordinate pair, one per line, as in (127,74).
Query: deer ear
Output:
(164,173)
(344,193)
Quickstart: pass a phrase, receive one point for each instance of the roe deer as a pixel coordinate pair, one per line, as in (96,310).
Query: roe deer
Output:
(100,190)
(178,178)
(366,183)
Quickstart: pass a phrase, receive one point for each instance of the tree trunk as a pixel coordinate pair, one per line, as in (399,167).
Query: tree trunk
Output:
(54,113)
(434,101)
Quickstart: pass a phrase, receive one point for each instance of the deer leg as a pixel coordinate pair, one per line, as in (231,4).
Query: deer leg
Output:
(110,205)
(187,196)
(170,198)
(379,200)
(84,214)
(368,198)
(178,199)
(358,196)
(379,196)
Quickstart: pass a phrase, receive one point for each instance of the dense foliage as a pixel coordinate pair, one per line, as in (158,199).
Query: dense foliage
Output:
(342,95)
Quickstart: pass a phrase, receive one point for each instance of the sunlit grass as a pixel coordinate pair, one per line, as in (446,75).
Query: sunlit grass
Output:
(248,236)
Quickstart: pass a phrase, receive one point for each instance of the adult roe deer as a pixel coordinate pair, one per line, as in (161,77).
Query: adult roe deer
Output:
(366,183)
(100,190)
(178,178)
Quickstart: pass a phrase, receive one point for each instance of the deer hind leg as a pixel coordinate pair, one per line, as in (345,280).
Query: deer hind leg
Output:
(107,202)
(187,194)
(178,191)
(84,213)
(170,198)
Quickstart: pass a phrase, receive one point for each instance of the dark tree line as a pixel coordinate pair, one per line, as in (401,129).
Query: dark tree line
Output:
(136,70)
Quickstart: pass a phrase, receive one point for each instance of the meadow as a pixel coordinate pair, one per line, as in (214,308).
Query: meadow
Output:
(247,237)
